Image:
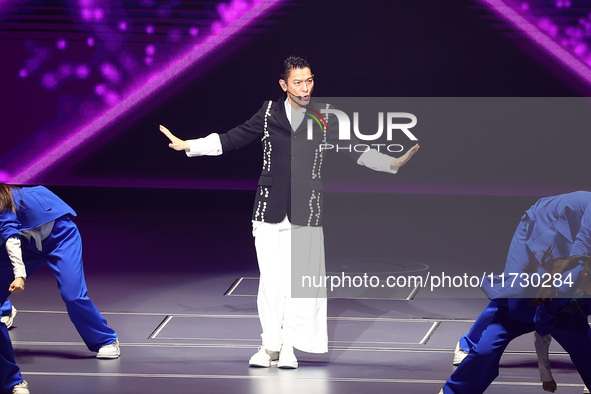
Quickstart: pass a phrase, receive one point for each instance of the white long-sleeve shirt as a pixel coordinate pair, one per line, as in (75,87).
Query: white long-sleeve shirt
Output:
(212,146)
(13,247)
(542,344)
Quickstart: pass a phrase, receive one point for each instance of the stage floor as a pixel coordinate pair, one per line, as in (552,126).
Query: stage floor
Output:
(182,335)
(158,264)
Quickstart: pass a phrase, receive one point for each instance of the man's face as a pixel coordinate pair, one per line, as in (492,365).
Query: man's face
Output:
(300,82)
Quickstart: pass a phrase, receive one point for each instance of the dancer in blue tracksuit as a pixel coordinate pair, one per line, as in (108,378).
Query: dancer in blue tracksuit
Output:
(6,308)
(36,227)
(560,312)
(8,313)
(562,222)
(557,227)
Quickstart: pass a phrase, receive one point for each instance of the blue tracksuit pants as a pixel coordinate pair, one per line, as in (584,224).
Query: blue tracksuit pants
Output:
(481,366)
(62,252)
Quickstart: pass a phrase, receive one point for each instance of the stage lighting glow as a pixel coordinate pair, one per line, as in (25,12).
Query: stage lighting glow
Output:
(561,31)
(123,26)
(61,44)
(235,16)
(110,72)
(100,89)
(150,49)
(49,81)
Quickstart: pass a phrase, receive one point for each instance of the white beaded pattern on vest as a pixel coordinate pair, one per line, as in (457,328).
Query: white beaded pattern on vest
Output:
(267,150)
(267,146)
(317,174)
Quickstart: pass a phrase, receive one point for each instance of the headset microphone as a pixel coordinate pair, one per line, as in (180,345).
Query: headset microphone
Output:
(298,97)
(293,95)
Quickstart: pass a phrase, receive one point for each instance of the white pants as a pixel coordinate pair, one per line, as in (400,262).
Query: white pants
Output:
(299,322)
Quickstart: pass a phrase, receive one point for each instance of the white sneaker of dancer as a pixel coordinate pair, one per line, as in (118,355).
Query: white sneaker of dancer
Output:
(459,355)
(109,351)
(21,388)
(8,320)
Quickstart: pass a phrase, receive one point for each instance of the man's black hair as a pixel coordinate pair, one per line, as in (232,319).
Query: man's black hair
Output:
(292,63)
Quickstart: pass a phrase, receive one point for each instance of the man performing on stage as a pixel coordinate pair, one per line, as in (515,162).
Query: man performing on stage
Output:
(287,209)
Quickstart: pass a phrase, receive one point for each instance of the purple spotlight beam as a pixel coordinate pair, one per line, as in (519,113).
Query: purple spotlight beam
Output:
(543,39)
(228,27)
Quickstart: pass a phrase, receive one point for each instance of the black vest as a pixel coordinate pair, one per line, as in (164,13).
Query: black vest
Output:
(291,176)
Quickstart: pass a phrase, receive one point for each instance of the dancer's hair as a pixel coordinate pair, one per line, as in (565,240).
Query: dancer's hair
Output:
(6,201)
(560,266)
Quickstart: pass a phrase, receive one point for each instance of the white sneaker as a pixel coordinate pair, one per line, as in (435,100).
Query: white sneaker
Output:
(586,390)
(7,320)
(21,388)
(263,358)
(109,351)
(459,355)
(287,359)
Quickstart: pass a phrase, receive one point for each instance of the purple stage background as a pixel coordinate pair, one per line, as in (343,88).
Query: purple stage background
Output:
(67,63)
